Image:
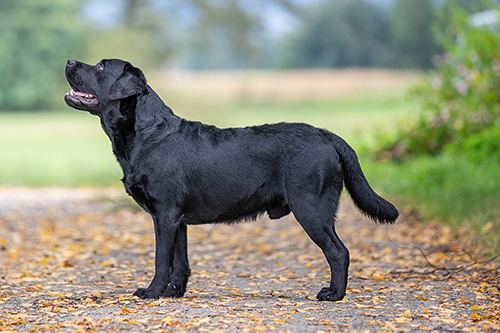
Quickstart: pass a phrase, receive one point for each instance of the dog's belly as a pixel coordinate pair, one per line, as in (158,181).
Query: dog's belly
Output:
(245,209)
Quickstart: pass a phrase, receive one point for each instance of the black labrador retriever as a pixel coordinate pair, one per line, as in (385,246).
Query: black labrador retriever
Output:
(184,172)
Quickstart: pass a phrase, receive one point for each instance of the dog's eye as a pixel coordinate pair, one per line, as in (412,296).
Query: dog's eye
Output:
(100,66)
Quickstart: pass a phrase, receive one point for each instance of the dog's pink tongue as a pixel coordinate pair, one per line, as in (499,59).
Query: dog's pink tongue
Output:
(79,93)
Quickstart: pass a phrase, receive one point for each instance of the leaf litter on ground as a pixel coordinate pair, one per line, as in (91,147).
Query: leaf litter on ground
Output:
(70,260)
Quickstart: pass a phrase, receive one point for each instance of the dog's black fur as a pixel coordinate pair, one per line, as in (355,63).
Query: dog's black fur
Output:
(185,172)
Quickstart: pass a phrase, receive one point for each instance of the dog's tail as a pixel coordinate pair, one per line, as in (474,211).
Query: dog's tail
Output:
(369,202)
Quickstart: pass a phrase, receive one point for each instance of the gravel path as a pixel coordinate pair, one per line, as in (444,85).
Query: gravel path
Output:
(71,258)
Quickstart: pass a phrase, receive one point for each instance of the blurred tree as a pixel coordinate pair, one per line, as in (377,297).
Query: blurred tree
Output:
(38,36)
(229,33)
(339,33)
(36,39)
(199,33)
(222,27)
(140,35)
(412,40)
(446,29)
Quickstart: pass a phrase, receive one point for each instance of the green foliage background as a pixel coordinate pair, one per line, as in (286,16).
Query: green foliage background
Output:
(444,160)
(459,100)
(347,33)
(36,38)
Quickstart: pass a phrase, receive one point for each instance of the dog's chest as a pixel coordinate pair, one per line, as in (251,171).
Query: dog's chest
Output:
(138,191)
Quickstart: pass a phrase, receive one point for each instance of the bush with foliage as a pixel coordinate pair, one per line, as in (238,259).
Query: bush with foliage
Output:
(36,39)
(459,100)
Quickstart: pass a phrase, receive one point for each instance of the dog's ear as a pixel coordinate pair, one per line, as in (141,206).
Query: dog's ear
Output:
(131,82)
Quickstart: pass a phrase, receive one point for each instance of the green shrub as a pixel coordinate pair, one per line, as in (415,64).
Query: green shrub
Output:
(459,100)
(481,146)
(455,136)
(36,39)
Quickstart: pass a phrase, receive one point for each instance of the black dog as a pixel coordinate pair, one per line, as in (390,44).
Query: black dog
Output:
(184,172)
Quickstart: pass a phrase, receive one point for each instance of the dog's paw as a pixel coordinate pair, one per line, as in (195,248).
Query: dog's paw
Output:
(174,290)
(146,293)
(327,294)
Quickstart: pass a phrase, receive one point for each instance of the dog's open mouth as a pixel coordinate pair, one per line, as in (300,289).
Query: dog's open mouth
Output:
(82,98)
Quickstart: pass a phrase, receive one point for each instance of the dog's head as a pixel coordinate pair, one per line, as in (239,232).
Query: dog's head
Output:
(97,88)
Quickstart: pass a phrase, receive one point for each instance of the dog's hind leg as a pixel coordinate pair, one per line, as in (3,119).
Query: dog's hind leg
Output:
(317,217)
(180,271)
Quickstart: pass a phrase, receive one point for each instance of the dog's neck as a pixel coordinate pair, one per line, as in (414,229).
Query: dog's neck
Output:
(137,117)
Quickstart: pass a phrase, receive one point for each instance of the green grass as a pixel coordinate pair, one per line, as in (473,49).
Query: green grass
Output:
(448,188)
(69,148)
(66,148)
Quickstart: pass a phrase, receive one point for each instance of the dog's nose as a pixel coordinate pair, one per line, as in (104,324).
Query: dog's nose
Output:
(71,62)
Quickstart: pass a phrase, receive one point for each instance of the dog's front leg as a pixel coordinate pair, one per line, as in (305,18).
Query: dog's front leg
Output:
(166,230)
(181,270)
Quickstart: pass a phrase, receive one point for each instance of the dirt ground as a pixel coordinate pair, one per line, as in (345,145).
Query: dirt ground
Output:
(70,260)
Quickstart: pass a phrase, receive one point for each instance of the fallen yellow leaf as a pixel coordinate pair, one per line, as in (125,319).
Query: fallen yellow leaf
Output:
(422,298)
(96,293)
(425,328)
(402,320)
(106,263)
(47,304)
(125,310)
(377,277)
(263,248)
(475,316)
(487,227)
(53,293)
(481,297)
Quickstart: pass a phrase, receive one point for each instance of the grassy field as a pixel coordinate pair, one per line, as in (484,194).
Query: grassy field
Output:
(69,148)
(349,102)
(450,189)
(66,148)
